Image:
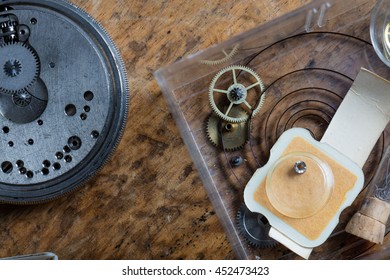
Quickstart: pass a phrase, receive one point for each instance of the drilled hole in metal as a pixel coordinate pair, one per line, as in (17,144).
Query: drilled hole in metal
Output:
(95,134)
(22,170)
(45,171)
(20,163)
(6,167)
(5,129)
(56,166)
(10,143)
(40,122)
(67,149)
(70,110)
(46,163)
(30,174)
(68,158)
(74,142)
(88,95)
(59,155)
(33,21)
(52,65)
(83,116)
(30,141)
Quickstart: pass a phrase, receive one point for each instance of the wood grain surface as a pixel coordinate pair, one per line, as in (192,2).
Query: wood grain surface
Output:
(148,202)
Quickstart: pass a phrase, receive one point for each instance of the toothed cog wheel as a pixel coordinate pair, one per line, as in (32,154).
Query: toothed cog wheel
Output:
(245,90)
(233,135)
(20,67)
(63,100)
(255,228)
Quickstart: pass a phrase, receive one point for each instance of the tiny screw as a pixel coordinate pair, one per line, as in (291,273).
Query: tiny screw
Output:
(300,167)
(236,161)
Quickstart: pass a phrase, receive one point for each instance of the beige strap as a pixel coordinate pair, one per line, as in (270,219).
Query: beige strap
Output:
(361,117)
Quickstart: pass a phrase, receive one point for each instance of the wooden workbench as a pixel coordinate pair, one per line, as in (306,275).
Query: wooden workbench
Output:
(148,202)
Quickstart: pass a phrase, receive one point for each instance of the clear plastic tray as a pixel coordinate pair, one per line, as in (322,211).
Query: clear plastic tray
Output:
(307,61)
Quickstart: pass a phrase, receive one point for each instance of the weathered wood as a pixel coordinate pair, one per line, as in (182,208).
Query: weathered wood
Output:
(148,202)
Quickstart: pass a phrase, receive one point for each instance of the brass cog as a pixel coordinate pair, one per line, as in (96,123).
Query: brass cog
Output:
(234,135)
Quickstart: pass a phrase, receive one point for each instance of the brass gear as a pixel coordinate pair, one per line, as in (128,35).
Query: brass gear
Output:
(227,56)
(236,94)
(234,135)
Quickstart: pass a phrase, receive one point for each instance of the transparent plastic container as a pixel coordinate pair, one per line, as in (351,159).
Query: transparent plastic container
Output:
(307,61)
(299,185)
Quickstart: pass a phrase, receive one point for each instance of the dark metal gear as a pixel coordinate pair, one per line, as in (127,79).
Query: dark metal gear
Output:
(254,228)
(234,135)
(20,67)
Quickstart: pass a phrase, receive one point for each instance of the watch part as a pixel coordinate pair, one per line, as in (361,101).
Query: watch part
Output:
(60,121)
(254,228)
(226,56)
(20,67)
(228,135)
(236,86)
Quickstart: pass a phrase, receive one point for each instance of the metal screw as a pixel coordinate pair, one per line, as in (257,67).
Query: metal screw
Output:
(300,167)
(236,161)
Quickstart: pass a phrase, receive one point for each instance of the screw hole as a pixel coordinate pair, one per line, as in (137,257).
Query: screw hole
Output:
(46,163)
(5,129)
(74,142)
(67,149)
(68,158)
(59,155)
(95,134)
(22,170)
(45,171)
(30,174)
(83,116)
(56,166)
(33,21)
(87,109)
(30,141)
(70,110)
(20,163)
(40,122)
(10,143)
(88,95)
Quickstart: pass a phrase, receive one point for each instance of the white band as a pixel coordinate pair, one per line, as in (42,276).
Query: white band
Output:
(361,117)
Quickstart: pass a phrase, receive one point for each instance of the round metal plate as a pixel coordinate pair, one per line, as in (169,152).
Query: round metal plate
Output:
(78,106)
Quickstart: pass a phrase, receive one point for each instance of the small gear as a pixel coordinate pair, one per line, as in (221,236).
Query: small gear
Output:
(234,135)
(254,228)
(21,98)
(237,93)
(20,67)
(12,68)
(227,57)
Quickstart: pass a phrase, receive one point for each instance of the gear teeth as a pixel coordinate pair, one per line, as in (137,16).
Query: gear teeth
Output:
(124,82)
(208,131)
(37,67)
(262,244)
(232,53)
(231,145)
(212,87)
